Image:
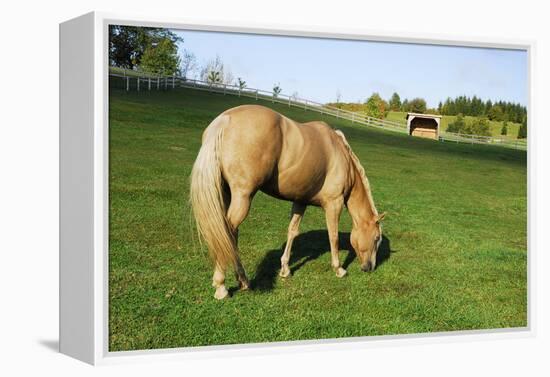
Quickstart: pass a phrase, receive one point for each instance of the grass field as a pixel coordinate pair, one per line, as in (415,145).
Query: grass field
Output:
(453,257)
(495,126)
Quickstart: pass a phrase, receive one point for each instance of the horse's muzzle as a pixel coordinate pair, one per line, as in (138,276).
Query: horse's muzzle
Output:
(367,267)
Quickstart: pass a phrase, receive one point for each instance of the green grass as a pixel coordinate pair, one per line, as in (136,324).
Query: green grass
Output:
(453,257)
(495,126)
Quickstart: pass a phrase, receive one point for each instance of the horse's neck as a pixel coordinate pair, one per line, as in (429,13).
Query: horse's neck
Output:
(360,205)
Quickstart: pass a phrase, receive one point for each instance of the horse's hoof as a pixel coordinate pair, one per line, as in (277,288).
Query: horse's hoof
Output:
(340,272)
(221,293)
(285,272)
(243,285)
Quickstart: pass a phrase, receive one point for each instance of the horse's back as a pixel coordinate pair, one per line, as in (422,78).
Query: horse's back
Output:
(265,150)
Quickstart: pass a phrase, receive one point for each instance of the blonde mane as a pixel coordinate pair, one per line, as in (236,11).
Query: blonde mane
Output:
(360,170)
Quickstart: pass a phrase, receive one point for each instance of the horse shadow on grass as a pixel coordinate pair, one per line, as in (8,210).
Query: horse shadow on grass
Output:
(308,247)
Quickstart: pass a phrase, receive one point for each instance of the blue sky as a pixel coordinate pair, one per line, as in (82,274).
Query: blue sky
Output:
(317,68)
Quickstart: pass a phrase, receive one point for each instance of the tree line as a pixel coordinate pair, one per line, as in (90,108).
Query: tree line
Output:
(155,50)
(375,106)
(474,106)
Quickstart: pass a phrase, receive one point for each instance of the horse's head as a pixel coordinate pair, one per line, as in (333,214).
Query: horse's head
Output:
(365,239)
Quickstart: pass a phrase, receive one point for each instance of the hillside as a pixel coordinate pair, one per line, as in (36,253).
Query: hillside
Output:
(453,257)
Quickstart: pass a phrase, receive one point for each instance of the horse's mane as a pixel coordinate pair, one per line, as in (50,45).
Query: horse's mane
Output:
(360,170)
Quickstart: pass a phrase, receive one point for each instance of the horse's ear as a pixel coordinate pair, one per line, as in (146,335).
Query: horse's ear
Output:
(380,217)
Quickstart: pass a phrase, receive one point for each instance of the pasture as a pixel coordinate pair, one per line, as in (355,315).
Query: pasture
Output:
(454,254)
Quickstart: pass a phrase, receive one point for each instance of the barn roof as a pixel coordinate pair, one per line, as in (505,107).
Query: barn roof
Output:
(427,116)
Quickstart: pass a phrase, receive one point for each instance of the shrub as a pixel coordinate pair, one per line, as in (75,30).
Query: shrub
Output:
(504,129)
(477,126)
(458,125)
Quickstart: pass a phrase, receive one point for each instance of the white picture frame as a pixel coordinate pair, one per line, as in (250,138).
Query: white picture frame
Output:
(84,189)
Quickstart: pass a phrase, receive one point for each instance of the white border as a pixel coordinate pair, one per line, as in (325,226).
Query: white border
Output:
(103,356)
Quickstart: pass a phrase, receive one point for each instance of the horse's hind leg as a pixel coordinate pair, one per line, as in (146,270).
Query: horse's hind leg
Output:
(218,282)
(236,213)
(296,214)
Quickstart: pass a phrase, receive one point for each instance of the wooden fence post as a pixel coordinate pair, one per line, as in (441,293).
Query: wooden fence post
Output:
(256,94)
(127,83)
(174,81)
(158,83)
(149,84)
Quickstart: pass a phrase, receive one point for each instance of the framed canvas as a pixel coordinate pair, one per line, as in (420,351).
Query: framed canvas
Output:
(185,145)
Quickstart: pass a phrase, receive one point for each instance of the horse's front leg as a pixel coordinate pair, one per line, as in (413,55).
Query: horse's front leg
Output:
(333,209)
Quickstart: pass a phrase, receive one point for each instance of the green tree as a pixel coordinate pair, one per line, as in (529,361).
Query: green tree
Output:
(376,107)
(127,44)
(522,131)
(405,105)
(417,105)
(458,125)
(276,90)
(478,126)
(214,77)
(496,113)
(161,58)
(504,129)
(241,83)
(395,102)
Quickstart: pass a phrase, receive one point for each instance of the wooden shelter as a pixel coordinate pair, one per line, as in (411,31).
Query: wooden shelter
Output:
(423,125)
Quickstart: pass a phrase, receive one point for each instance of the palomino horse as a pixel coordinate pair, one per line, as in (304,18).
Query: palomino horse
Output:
(250,148)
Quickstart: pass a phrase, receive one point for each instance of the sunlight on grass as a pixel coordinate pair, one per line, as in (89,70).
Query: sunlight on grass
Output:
(454,250)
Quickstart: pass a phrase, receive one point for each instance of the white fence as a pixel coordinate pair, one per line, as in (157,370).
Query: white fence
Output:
(485,140)
(141,81)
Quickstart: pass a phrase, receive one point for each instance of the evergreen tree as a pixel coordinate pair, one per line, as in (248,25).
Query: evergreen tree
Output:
(405,105)
(504,129)
(496,113)
(522,131)
(395,102)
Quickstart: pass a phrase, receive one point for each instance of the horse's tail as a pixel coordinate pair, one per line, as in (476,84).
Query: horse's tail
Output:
(207,198)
